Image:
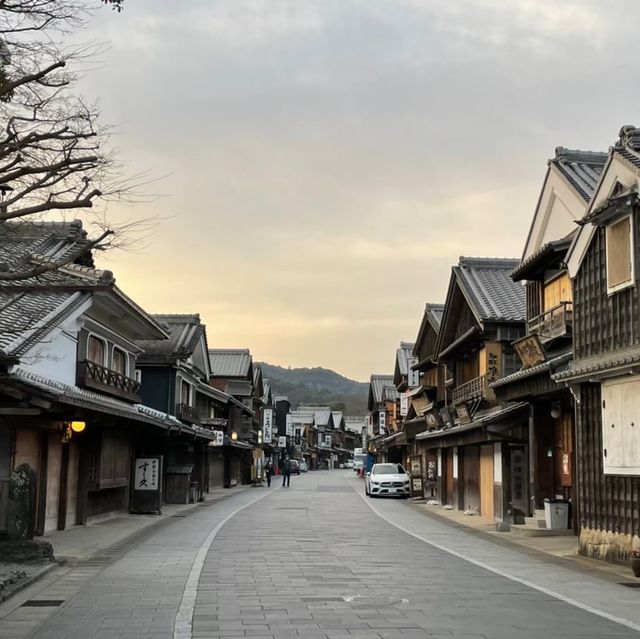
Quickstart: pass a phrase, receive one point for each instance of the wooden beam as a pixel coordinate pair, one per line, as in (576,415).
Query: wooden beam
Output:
(20,411)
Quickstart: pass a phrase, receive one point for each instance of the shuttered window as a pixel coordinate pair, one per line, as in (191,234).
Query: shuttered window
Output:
(619,255)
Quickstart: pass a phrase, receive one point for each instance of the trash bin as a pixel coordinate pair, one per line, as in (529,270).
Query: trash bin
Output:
(556,514)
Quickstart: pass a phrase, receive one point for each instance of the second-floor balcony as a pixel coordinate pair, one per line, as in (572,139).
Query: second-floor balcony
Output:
(475,388)
(188,414)
(105,380)
(556,322)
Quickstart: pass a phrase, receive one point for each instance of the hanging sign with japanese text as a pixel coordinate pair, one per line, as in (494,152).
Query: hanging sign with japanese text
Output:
(382,422)
(404,405)
(282,441)
(267,425)
(413,377)
(218,438)
(289,423)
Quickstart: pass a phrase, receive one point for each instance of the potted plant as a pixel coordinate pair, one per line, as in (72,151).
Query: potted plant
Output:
(635,561)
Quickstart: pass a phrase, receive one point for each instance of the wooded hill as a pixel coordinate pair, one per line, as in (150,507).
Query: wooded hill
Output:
(319,386)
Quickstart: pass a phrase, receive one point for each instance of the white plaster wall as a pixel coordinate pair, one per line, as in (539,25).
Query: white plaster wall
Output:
(56,356)
(497,463)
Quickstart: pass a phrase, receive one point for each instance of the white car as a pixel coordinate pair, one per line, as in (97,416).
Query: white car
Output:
(388,480)
(348,463)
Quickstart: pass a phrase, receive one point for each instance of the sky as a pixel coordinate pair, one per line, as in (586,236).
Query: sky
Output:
(324,163)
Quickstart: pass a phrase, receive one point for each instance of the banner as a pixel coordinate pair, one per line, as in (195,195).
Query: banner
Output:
(147,475)
(382,422)
(267,425)
(289,425)
(297,437)
(413,377)
(404,405)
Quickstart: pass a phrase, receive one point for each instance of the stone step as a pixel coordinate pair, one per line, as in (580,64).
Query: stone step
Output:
(533,530)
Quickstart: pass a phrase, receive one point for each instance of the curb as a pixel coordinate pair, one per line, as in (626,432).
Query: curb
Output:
(15,588)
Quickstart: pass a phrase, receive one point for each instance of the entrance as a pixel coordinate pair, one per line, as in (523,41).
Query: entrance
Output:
(519,482)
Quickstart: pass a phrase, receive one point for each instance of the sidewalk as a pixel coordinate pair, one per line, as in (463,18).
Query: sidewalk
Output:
(565,547)
(102,541)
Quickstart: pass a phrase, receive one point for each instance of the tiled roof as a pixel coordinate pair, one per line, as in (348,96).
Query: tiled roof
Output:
(184,333)
(434,313)
(550,365)
(321,414)
(489,289)
(547,256)
(302,416)
(621,361)
(230,362)
(378,385)
(581,169)
(83,398)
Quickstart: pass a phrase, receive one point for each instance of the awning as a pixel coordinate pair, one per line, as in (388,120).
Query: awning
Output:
(490,417)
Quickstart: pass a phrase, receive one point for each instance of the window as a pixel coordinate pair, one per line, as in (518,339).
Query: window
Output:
(620,272)
(119,363)
(621,426)
(95,350)
(185,393)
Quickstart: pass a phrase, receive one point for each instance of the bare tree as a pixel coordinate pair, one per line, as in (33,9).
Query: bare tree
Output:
(54,155)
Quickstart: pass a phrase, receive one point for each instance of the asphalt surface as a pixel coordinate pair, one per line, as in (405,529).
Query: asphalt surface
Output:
(320,560)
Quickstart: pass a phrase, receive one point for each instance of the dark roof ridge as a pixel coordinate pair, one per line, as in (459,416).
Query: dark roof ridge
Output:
(178,317)
(497,262)
(578,155)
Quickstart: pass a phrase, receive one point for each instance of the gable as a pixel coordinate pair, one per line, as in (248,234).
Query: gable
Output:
(555,216)
(458,316)
(617,171)
(200,357)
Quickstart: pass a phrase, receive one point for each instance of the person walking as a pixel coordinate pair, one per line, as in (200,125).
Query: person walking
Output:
(286,472)
(267,470)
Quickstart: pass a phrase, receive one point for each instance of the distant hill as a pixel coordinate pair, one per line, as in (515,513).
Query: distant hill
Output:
(317,386)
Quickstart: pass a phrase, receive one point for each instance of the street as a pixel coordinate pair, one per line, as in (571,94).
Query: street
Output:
(315,560)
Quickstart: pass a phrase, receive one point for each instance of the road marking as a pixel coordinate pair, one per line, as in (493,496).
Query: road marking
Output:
(183,624)
(501,573)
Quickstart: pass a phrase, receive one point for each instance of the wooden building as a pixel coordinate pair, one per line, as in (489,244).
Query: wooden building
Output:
(546,350)
(383,405)
(478,444)
(71,335)
(604,375)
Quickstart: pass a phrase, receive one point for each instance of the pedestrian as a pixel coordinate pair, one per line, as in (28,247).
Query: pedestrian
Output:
(286,472)
(267,470)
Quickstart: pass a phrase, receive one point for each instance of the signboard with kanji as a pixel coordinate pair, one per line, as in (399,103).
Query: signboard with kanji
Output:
(413,377)
(289,424)
(267,425)
(147,485)
(530,350)
(218,438)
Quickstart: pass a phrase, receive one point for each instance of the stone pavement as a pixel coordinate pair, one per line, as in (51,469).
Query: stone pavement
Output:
(316,560)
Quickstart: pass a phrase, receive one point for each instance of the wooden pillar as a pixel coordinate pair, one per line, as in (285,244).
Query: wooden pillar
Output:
(533,466)
(62,495)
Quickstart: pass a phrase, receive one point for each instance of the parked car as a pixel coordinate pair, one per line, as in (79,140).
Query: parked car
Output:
(348,463)
(303,465)
(387,480)
(294,466)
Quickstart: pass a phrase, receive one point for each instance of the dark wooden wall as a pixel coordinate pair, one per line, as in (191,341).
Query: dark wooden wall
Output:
(605,502)
(604,323)
(534,299)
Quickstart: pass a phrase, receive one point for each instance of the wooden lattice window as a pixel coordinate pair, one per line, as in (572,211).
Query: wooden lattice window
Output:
(619,255)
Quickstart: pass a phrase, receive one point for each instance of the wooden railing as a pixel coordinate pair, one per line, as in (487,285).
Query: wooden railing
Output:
(473,389)
(105,380)
(556,322)
(187,414)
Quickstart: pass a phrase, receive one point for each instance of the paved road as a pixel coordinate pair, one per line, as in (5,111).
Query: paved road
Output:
(315,560)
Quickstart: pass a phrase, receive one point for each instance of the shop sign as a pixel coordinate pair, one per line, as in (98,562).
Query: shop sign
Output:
(147,475)
(218,439)
(267,425)
(413,377)
(530,350)
(404,405)
(282,441)
(463,414)
(382,422)
(289,424)
(433,419)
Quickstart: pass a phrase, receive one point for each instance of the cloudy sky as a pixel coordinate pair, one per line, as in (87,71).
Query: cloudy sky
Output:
(327,161)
